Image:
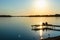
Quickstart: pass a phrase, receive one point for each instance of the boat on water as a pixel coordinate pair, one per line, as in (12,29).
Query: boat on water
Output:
(40,27)
(45,24)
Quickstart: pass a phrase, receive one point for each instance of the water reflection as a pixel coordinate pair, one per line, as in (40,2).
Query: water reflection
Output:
(19,28)
(42,28)
(41,34)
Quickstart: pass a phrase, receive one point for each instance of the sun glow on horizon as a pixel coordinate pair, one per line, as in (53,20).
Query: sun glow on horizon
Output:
(40,7)
(40,4)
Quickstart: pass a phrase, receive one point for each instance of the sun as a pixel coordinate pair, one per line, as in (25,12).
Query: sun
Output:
(40,7)
(40,4)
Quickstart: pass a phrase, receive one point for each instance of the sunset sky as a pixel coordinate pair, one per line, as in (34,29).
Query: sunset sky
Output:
(29,7)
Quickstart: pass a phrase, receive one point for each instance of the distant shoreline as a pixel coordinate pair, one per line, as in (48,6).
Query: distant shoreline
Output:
(56,15)
(5,16)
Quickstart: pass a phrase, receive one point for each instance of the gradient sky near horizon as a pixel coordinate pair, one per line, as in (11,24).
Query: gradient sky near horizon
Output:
(26,7)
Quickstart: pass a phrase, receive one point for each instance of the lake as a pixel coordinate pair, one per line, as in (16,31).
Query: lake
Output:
(19,28)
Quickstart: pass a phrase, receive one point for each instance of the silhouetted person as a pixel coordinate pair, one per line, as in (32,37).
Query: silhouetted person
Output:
(43,23)
(46,23)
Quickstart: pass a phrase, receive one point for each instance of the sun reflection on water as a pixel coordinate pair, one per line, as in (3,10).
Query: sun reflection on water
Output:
(41,34)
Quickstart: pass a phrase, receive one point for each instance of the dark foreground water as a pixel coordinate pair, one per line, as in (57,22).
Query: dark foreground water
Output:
(19,28)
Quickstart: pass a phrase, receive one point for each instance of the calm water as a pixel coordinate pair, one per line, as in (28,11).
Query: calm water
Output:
(19,28)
